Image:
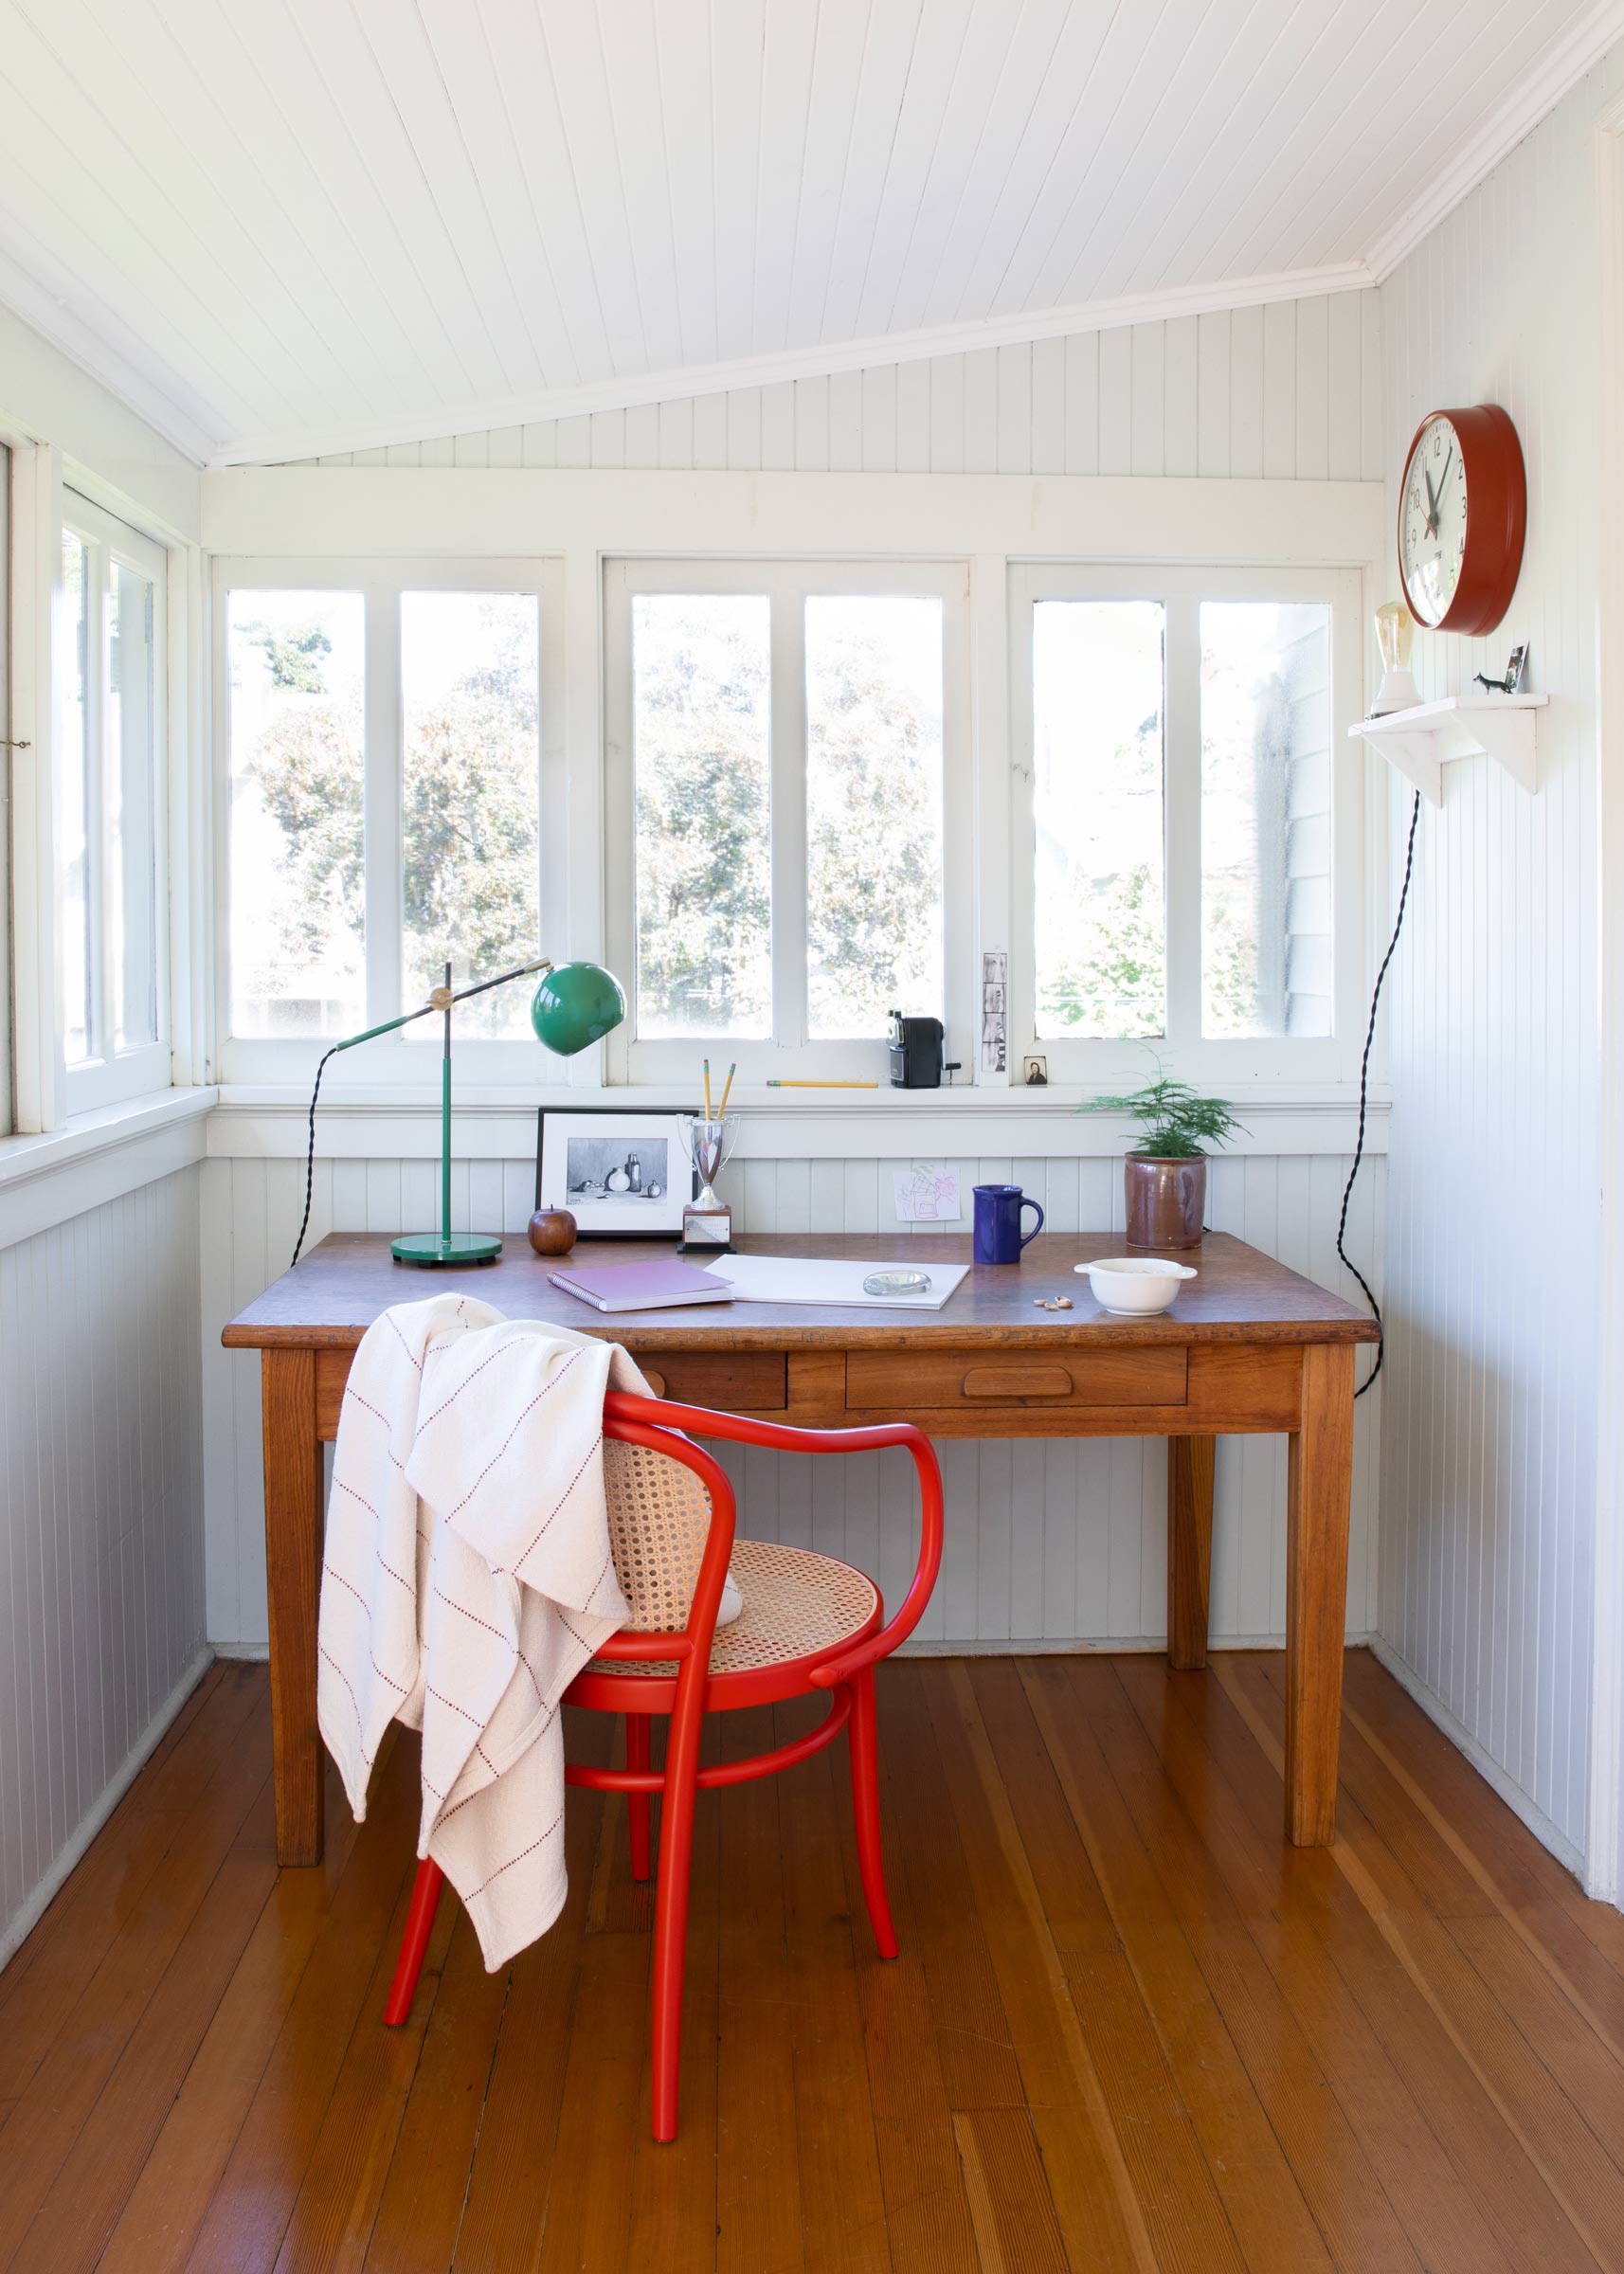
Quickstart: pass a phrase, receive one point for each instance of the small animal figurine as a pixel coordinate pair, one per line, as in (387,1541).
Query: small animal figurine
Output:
(553,1231)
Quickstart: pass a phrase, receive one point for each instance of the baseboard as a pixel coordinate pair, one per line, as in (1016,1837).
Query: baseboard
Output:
(22,1925)
(1048,1646)
(1488,1768)
(249,1653)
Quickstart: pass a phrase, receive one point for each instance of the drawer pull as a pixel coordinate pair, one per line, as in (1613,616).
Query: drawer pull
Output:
(1009,1381)
(656,1382)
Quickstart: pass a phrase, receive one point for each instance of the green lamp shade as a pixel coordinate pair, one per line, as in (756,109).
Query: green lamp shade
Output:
(576,1003)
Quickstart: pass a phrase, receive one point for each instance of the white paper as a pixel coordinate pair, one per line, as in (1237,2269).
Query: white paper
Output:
(926,1193)
(815,1279)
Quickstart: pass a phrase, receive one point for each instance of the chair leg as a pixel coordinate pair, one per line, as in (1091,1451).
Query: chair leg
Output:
(637,1803)
(861,1743)
(671,1915)
(414,1943)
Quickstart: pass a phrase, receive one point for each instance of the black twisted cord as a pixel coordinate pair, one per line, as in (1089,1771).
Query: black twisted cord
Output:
(1363,1085)
(310,1152)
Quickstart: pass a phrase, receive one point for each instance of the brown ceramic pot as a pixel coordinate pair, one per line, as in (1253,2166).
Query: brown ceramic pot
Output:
(553,1231)
(1166,1200)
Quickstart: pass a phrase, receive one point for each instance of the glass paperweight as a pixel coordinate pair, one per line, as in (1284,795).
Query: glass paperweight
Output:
(897,1282)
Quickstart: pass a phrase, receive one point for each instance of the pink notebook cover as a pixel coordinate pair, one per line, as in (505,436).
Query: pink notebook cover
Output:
(643,1286)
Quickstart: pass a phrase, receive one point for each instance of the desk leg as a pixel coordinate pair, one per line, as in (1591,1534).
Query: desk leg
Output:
(1190,1464)
(293,1579)
(1320,1483)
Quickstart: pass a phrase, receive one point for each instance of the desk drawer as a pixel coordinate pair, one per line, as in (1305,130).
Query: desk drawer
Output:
(752,1381)
(980,1381)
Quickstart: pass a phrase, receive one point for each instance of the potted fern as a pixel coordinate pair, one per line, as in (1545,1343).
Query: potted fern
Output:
(1165,1177)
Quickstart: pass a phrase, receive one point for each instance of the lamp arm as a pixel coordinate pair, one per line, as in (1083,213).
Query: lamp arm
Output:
(441,1000)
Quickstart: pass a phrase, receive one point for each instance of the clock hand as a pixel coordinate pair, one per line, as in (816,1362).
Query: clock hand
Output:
(1445,475)
(1432,505)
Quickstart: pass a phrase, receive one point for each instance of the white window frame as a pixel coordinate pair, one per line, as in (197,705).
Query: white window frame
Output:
(1223,1062)
(788,585)
(110,1075)
(410,1058)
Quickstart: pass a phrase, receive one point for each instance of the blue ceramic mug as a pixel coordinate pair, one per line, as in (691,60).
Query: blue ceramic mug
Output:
(998,1223)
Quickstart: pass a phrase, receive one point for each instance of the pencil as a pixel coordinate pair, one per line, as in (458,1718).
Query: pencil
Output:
(708,1114)
(823,1085)
(726,1087)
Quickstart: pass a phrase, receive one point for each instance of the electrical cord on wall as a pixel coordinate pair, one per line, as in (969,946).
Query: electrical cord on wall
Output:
(1364,1085)
(310,1154)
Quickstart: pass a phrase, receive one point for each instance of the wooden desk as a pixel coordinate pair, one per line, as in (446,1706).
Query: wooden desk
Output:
(1249,1347)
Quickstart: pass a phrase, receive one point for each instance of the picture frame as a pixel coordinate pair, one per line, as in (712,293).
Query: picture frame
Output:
(583,1153)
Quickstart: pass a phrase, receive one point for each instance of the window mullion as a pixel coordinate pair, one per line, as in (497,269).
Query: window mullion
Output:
(1183,818)
(381,804)
(789,779)
(99,776)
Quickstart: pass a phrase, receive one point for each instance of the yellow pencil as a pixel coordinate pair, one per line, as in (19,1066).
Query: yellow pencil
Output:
(726,1086)
(708,1114)
(823,1085)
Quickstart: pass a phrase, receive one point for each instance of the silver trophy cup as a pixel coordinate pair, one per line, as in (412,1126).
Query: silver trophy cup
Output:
(707,1221)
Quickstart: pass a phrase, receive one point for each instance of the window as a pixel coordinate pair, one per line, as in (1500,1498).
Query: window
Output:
(383,742)
(108,796)
(1181,725)
(787,789)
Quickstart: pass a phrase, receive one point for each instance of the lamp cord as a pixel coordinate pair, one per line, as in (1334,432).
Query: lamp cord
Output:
(1363,1088)
(309,1151)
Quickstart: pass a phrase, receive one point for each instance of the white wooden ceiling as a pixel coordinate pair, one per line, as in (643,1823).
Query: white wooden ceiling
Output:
(282,227)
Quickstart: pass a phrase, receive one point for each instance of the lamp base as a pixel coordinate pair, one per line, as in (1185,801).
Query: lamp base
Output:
(453,1247)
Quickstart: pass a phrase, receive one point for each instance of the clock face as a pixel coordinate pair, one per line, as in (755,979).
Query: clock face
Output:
(1432,521)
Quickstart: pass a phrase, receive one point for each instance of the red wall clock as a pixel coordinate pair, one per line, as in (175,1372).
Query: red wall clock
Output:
(1463,511)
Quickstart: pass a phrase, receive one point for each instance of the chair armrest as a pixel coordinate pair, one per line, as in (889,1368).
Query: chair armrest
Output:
(845,1663)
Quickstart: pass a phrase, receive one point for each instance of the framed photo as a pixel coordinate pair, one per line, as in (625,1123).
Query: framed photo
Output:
(622,1176)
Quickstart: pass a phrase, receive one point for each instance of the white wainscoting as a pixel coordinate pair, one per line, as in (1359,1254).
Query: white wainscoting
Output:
(1289,392)
(1489,1465)
(101,1586)
(1060,1542)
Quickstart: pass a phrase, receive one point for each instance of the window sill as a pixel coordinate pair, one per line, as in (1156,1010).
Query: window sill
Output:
(96,1157)
(961,1122)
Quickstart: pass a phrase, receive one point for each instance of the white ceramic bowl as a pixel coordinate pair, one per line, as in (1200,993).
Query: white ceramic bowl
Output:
(1134,1286)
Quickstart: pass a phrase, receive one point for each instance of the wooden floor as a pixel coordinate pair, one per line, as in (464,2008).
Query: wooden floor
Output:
(1129,2029)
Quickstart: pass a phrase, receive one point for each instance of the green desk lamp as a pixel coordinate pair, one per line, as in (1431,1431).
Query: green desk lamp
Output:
(575,1004)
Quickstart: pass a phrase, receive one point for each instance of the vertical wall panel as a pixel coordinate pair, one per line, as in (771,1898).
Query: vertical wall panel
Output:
(1487,1477)
(1056,1539)
(1293,389)
(102,1614)
(1246,459)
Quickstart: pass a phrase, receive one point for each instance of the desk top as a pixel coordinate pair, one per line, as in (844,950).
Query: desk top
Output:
(332,1296)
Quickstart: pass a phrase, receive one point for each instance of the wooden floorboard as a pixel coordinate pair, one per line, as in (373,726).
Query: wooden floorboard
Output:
(1129,2027)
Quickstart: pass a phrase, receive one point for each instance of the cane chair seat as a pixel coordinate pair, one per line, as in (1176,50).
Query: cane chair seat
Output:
(797,1605)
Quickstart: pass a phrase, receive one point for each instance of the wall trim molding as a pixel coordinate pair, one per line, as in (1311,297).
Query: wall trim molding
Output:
(99,1157)
(16,1930)
(1604,1833)
(271,1125)
(1531,99)
(1483,1762)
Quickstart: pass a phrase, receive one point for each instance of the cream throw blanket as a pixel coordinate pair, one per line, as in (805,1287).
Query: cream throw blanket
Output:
(467,1579)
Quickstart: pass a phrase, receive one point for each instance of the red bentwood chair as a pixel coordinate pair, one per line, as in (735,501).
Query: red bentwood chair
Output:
(809,1623)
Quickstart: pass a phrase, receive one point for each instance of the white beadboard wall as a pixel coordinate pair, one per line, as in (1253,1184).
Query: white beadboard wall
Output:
(1048,1541)
(1291,391)
(1488,1482)
(101,1584)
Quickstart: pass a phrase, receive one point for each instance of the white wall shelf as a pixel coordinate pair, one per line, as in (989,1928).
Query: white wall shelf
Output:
(1418,741)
